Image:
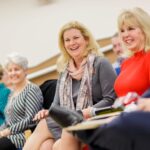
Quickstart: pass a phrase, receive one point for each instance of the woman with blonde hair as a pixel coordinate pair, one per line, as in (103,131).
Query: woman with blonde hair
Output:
(86,81)
(134,26)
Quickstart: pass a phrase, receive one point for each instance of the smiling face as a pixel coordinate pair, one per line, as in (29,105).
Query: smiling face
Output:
(74,43)
(133,38)
(16,74)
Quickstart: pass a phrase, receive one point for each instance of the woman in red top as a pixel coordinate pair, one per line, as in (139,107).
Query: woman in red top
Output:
(130,130)
(134,31)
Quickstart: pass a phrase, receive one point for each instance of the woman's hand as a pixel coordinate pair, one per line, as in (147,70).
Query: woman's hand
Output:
(87,112)
(41,114)
(144,104)
(4,133)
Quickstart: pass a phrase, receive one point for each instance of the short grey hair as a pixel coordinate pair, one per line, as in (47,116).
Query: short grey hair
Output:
(16,59)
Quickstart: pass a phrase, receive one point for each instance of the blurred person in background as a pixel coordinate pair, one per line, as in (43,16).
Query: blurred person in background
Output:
(5,89)
(118,51)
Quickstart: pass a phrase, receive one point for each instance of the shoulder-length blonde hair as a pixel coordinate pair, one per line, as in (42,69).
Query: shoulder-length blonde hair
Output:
(92,46)
(136,17)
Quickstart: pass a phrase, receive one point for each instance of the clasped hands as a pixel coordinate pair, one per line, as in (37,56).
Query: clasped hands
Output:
(4,133)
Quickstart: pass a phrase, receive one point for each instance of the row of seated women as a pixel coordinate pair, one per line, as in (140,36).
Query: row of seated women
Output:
(87,81)
(73,88)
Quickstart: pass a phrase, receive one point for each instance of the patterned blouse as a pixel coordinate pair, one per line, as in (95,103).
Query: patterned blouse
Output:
(20,111)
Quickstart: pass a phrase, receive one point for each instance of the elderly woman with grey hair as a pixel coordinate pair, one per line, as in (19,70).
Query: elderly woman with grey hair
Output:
(24,102)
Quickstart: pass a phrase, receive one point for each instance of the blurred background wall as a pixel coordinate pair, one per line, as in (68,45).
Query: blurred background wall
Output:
(31,28)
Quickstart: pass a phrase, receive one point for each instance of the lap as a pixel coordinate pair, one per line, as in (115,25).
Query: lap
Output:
(128,131)
(6,144)
(54,128)
(39,136)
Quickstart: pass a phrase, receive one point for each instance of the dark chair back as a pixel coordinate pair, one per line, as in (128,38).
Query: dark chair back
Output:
(48,89)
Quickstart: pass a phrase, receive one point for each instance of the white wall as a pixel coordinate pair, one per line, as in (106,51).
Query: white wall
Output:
(30,27)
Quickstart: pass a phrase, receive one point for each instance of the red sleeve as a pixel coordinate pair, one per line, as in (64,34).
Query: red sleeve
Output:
(148,63)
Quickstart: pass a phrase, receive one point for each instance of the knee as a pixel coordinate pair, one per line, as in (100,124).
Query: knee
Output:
(56,145)
(68,138)
(47,144)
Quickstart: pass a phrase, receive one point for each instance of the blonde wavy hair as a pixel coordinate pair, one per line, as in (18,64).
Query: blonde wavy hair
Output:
(92,46)
(136,17)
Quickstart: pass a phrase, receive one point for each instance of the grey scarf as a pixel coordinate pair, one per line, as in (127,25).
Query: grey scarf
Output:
(84,98)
